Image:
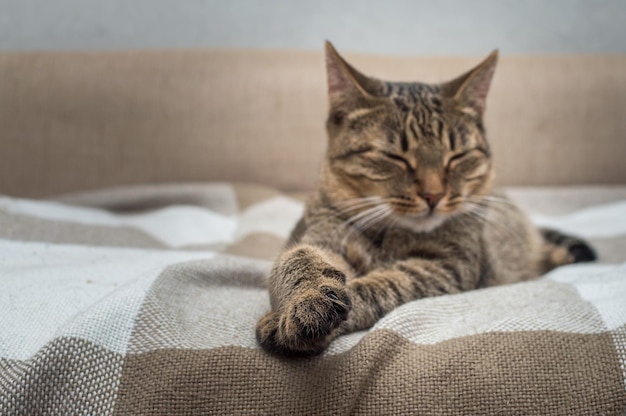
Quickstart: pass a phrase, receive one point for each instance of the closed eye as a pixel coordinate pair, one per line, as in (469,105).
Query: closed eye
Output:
(354,152)
(409,168)
(475,178)
(458,156)
(463,154)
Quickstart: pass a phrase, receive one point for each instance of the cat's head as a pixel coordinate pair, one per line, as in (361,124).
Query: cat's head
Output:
(411,151)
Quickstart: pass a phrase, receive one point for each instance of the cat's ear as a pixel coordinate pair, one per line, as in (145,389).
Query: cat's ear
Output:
(470,89)
(347,88)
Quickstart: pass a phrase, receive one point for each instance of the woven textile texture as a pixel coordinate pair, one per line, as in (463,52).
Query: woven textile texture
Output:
(143,301)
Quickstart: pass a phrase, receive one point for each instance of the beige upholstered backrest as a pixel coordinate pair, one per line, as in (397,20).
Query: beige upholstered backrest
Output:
(77,121)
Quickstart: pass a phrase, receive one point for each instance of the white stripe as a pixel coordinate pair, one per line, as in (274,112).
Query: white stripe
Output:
(276,216)
(585,301)
(602,221)
(175,226)
(50,290)
(604,286)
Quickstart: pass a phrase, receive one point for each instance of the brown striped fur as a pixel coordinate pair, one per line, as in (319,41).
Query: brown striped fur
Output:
(404,210)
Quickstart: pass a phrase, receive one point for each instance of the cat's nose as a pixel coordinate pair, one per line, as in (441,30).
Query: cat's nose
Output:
(431,199)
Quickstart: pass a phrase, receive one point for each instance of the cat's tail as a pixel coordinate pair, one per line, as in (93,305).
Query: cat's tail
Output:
(561,249)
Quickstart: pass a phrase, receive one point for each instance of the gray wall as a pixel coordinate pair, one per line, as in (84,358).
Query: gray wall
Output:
(392,26)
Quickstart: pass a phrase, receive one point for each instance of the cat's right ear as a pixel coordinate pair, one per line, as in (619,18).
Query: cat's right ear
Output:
(348,89)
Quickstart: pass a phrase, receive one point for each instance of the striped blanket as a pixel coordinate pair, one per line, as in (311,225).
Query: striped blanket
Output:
(143,301)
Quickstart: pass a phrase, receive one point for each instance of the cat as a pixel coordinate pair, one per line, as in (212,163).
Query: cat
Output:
(404,210)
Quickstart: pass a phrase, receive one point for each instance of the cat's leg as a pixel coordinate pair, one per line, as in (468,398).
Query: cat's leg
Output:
(561,249)
(380,291)
(309,301)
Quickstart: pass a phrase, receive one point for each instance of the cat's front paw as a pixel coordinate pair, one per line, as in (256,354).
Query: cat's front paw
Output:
(305,325)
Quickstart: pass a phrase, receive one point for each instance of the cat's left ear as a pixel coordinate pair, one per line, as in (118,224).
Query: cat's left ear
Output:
(470,89)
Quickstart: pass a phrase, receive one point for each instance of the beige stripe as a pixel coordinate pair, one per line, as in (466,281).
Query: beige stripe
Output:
(260,246)
(69,376)
(523,373)
(218,197)
(202,304)
(619,339)
(26,228)
(248,195)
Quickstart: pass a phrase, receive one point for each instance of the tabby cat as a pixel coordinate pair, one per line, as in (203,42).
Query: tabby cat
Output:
(404,210)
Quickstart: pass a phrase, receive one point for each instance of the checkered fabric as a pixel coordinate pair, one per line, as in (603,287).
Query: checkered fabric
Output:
(143,301)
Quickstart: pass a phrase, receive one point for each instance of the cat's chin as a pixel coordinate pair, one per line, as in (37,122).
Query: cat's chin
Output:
(420,224)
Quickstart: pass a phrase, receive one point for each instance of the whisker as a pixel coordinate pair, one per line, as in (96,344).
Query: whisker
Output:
(492,199)
(366,198)
(355,218)
(345,207)
(365,220)
(481,213)
(374,218)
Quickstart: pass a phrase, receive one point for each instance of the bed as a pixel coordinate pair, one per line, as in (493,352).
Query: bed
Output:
(137,231)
